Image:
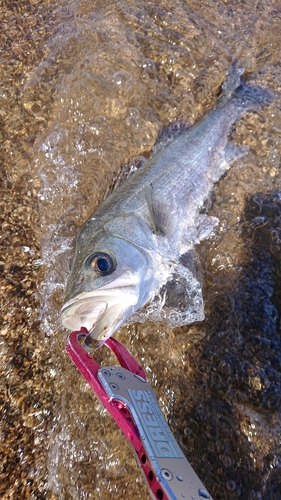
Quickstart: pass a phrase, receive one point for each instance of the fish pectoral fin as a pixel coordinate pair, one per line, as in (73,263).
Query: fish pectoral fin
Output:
(191,261)
(163,217)
(204,225)
(233,153)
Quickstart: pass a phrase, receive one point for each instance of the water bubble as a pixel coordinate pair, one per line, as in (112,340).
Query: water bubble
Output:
(148,69)
(123,81)
(231,485)
(133,120)
(175,318)
(148,64)
(179,302)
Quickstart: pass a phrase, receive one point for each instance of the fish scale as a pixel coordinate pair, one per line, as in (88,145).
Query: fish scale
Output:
(187,163)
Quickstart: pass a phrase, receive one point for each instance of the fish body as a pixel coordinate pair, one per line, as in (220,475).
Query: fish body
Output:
(133,242)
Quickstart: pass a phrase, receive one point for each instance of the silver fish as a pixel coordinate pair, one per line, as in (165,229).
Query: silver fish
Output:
(132,244)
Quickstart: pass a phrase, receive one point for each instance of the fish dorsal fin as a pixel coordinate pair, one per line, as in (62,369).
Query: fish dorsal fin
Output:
(162,216)
(169,133)
(233,80)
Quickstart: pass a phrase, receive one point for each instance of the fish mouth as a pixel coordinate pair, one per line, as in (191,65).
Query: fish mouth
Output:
(101,313)
(82,312)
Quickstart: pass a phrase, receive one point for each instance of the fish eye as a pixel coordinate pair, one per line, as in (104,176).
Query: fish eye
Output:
(101,263)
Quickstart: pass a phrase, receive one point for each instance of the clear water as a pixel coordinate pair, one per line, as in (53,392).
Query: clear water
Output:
(112,74)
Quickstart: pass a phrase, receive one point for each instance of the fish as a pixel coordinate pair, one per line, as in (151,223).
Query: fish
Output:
(136,239)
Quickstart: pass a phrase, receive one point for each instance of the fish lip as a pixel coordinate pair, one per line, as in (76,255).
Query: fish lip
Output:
(109,321)
(123,284)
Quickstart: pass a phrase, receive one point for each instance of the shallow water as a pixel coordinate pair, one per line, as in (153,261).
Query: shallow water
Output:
(87,86)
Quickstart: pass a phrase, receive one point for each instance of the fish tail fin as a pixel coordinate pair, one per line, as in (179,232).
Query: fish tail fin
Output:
(243,97)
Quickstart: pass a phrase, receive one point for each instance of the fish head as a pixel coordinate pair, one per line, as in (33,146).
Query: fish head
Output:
(111,278)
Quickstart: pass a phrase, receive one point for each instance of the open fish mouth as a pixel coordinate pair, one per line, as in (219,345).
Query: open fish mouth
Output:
(100,311)
(83,312)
